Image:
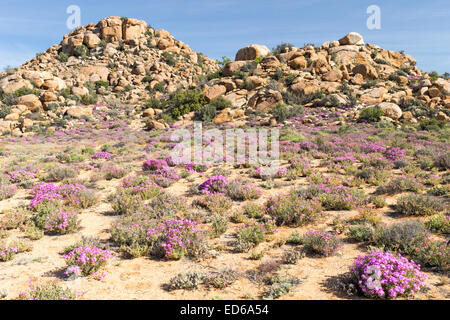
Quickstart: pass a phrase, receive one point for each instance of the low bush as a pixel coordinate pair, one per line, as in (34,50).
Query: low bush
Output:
(371,114)
(292,210)
(419,205)
(321,242)
(48,290)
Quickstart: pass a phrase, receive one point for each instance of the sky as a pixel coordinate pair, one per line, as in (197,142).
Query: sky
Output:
(220,27)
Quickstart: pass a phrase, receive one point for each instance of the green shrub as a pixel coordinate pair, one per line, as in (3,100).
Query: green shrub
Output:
(219,225)
(60,173)
(401,237)
(188,281)
(438,223)
(99,83)
(81,51)
(281,48)
(89,99)
(292,256)
(292,209)
(4,110)
(419,205)
(169,58)
(361,232)
(183,102)
(371,114)
(221,103)
(50,290)
(282,112)
(62,57)
(442,161)
(206,113)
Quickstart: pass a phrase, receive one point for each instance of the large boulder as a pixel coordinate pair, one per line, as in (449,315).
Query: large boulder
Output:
(111,28)
(265,99)
(366,70)
(353,38)
(298,63)
(227,115)
(11,87)
(391,110)
(213,92)
(91,40)
(31,101)
(79,112)
(93,73)
(133,29)
(251,52)
(373,96)
(231,67)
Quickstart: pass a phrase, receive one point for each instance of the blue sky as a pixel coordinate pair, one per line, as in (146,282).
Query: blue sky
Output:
(219,28)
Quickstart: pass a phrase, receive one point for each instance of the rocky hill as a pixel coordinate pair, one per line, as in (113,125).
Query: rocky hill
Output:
(123,61)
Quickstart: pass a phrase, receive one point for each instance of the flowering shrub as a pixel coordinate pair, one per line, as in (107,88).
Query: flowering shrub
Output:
(384,275)
(419,205)
(125,202)
(240,191)
(113,172)
(51,290)
(375,160)
(61,222)
(49,193)
(20,175)
(235,189)
(433,253)
(173,237)
(321,242)
(143,186)
(88,259)
(401,184)
(394,153)
(164,177)
(7,253)
(214,202)
(83,198)
(153,165)
(130,233)
(249,236)
(438,223)
(7,191)
(290,209)
(335,197)
(214,184)
(301,167)
(101,155)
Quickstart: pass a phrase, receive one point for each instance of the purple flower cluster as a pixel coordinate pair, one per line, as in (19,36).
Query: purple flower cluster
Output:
(50,192)
(175,236)
(89,259)
(7,253)
(344,159)
(153,165)
(61,222)
(214,184)
(20,175)
(394,153)
(384,275)
(140,185)
(101,155)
